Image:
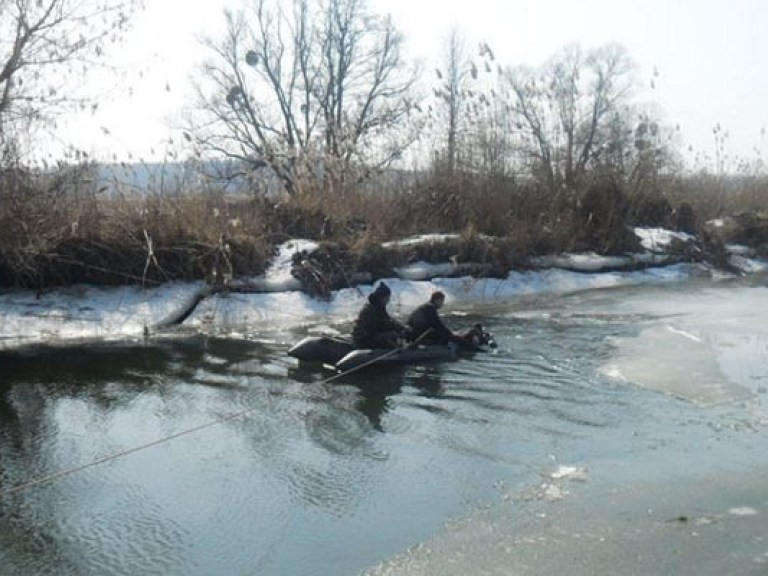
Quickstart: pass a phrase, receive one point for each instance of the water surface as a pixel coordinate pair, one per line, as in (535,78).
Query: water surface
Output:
(284,473)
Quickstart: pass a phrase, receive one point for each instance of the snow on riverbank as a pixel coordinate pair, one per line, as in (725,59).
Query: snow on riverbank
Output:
(109,313)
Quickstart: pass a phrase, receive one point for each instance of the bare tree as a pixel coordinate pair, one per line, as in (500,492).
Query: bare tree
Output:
(563,111)
(465,108)
(453,91)
(306,88)
(43,43)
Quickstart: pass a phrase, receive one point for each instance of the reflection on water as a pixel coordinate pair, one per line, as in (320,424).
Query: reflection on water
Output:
(304,476)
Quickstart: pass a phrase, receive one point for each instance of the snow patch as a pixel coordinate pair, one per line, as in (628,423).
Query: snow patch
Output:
(659,239)
(78,313)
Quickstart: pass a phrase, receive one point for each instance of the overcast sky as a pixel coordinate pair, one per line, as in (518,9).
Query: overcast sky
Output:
(710,56)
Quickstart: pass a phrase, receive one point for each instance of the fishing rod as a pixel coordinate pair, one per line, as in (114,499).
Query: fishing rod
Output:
(387,354)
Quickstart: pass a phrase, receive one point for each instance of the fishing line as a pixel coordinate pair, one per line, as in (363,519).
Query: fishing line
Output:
(387,354)
(115,456)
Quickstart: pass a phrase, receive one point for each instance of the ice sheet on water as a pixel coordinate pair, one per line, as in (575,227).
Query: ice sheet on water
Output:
(569,472)
(674,362)
(743,511)
(703,346)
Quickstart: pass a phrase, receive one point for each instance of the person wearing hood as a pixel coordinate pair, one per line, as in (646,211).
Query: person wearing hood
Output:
(374,328)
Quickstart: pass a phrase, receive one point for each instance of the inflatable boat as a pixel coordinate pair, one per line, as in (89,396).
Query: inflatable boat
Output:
(340,353)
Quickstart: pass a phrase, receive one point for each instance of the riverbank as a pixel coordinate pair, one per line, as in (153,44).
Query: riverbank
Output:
(86,313)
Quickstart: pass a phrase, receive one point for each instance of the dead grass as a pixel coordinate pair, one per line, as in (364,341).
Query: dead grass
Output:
(59,229)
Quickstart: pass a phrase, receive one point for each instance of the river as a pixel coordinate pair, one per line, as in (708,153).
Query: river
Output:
(613,431)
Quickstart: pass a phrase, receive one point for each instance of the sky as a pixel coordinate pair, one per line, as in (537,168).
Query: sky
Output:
(709,55)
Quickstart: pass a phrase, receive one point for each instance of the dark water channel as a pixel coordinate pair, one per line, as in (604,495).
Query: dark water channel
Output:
(295,476)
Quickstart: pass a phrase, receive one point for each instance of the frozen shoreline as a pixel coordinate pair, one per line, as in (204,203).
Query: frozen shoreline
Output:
(84,313)
(95,313)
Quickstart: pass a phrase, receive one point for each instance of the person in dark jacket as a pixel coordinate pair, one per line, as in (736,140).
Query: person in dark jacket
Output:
(374,328)
(427,327)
